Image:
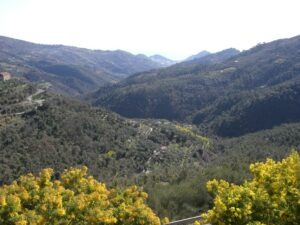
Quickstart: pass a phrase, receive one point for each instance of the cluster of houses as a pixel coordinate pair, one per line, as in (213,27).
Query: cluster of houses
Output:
(5,76)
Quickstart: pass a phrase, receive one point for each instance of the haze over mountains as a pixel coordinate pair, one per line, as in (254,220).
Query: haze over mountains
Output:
(162,60)
(198,55)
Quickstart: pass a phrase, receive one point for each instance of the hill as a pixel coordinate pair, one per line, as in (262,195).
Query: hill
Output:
(228,94)
(39,129)
(171,160)
(70,70)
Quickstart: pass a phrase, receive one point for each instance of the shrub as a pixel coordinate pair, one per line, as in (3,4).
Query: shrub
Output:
(73,199)
(271,197)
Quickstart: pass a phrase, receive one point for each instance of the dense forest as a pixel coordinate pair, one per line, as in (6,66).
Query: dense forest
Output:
(228,94)
(63,132)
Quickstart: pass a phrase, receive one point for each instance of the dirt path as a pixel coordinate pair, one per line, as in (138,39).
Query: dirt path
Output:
(30,101)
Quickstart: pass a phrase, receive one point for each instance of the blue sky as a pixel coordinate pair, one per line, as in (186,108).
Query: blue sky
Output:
(173,28)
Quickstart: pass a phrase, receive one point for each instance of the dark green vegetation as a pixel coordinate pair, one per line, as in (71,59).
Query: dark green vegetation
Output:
(227,94)
(164,93)
(61,133)
(70,70)
(248,103)
(172,161)
(234,109)
(186,196)
(11,96)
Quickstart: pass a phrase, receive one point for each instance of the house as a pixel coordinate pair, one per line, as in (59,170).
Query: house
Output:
(4,76)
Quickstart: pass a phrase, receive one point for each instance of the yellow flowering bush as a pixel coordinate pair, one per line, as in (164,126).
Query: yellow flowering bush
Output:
(75,199)
(272,197)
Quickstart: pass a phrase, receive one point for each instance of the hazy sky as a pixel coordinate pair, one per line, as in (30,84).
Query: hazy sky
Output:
(174,28)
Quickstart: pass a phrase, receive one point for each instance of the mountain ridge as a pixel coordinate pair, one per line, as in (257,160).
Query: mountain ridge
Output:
(162,60)
(183,91)
(70,70)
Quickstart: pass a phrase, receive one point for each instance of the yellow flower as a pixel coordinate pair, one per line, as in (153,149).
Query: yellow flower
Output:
(273,194)
(2,201)
(61,211)
(21,222)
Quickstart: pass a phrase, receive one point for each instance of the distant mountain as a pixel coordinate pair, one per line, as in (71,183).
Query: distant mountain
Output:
(212,58)
(228,93)
(133,96)
(198,55)
(162,60)
(70,70)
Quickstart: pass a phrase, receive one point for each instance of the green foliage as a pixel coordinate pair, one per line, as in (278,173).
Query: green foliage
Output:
(179,199)
(164,157)
(246,112)
(271,197)
(63,133)
(204,140)
(247,92)
(12,95)
(73,199)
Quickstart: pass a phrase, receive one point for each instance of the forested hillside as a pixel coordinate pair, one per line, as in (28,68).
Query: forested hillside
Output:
(61,132)
(70,70)
(149,112)
(228,96)
(172,161)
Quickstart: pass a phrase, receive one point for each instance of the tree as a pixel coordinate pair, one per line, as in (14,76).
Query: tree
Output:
(73,199)
(271,197)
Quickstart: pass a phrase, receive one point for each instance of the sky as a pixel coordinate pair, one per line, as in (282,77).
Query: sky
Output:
(173,28)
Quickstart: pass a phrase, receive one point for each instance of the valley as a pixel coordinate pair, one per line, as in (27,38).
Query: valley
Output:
(225,93)
(168,130)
